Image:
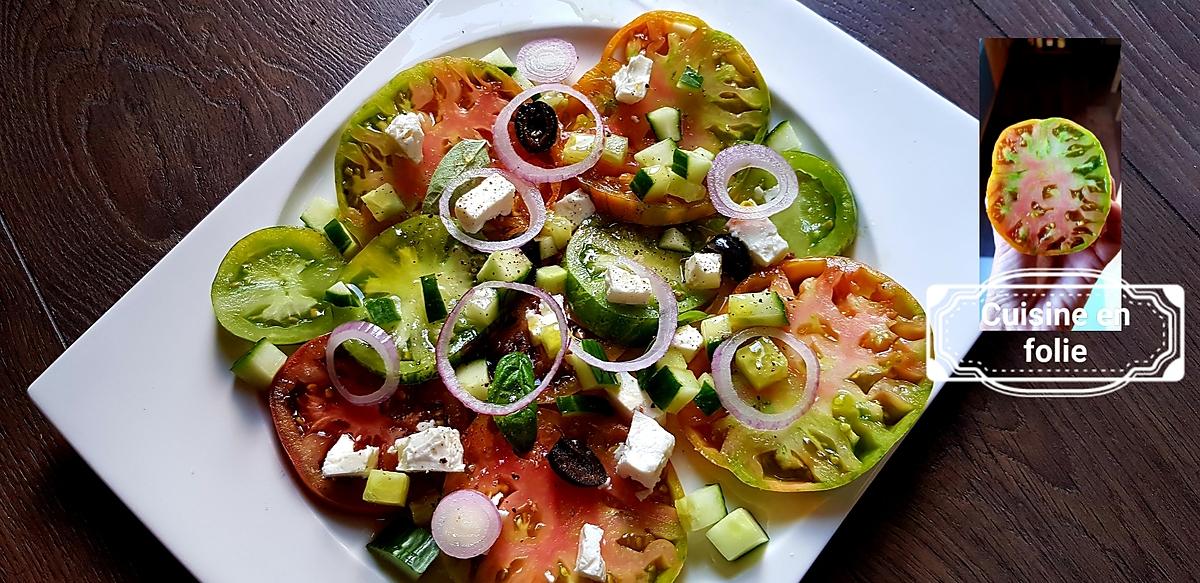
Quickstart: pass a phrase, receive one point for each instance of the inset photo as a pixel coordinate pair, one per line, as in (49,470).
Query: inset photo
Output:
(1050,182)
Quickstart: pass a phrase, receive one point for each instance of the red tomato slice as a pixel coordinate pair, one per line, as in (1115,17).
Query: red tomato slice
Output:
(309,416)
(539,540)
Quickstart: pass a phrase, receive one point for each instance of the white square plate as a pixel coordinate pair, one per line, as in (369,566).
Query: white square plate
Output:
(156,413)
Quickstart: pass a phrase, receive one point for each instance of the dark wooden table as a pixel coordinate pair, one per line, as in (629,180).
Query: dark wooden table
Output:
(123,123)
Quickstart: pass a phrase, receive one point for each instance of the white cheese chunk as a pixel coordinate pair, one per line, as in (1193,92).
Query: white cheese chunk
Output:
(626,287)
(761,238)
(702,271)
(645,452)
(491,198)
(542,320)
(767,195)
(633,79)
(687,341)
(434,449)
(628,397)
(589,564)
(406,130)
(575,207)
(343,461)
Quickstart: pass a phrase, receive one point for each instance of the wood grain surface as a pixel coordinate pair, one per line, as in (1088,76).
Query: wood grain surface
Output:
(124,123)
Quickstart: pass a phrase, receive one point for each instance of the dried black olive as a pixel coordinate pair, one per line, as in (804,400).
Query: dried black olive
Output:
(537,125)
(574,462)
(735,257)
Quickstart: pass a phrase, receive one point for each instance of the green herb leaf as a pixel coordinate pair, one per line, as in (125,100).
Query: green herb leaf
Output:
(513,379)
(464,156)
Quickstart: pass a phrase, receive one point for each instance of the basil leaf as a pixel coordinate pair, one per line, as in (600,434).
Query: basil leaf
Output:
(462,157)
(513,379)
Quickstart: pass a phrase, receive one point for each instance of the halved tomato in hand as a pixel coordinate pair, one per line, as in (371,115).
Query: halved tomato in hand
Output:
(461,98)
(1050,188)
(731,104)
(868,334)
(539,539)
(310,415)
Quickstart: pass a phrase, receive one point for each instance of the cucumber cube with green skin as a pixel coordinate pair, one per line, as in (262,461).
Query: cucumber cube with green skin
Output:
(558,228)
(756,309)
(715,330)
(673,239)
(386,488)
(435,306)
(341,238)
(482,309)
(473,377)
(762,363)
(318,213)
(690,79)
(783,138)
(406,547)
(671,358)
(258,366)
(684,189)
(665,123)
(552,278)
(693,166)
(547,248)
(600,377)
(383,311)
(672,387)
(385,205)
(736,534)
(344,295)
(616,148)
(652,183)
(509,265)
(660,154)
(703,508)
(580,404)
(707,400)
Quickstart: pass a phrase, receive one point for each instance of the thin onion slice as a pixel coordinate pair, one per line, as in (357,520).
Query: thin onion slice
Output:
(734,159)
(379,341)
(508,156)
(446,369)
(465,524)
(668,320)
(529,193)
(722,372)
(548,60)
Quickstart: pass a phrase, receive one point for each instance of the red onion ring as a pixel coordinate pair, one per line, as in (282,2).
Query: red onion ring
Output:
(549,60)
(529,193)
(465,524)
(508,156)
(722,360)
(446,370)
(733,159)
(379,341)
(668,320)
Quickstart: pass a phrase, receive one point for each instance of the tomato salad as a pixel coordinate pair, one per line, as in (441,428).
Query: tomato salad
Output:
(523,297)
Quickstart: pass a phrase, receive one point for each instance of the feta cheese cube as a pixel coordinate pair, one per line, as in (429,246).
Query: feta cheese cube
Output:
(491,198)
(433,449)
(767,195)
(575,207)
(628,397)
(343,461)
(702,271)
(589,564)
(761,238)
(687,341)
(645,452)
(626,287)
(543,326)
(633,79)
(406,130)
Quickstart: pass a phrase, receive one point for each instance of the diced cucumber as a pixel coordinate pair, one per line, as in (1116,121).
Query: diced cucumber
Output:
(615,149)
(578,146)
(691,165)
(715,330)
(258,366)
(672,387)
(783,138)
(435,306)
(546,247)
(690,79)
(704,507)
(691,317)
(552,278)
(405,546)
(651,183)
(704,153)
(673,239)
(341,238)
(664,121)
(685,189)
(600,377)
(383,311)
(578,404)
(500,59)
(482,309)
(473,377)
(344,295)
(659,154)
(756,309)
(671,358)
(509,265)
(387,488)
(761,362)
(736,534)
(318,213)
(385,205)
(707,399)
(559,228)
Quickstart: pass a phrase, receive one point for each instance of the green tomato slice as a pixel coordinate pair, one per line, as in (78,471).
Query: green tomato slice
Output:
(393,264)
(271,284)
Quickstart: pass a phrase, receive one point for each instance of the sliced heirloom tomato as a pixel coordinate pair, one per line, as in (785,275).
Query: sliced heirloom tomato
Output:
(1050,189)
(868,334)
(539,539)
(460,99)
(732,105)
(309,416)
